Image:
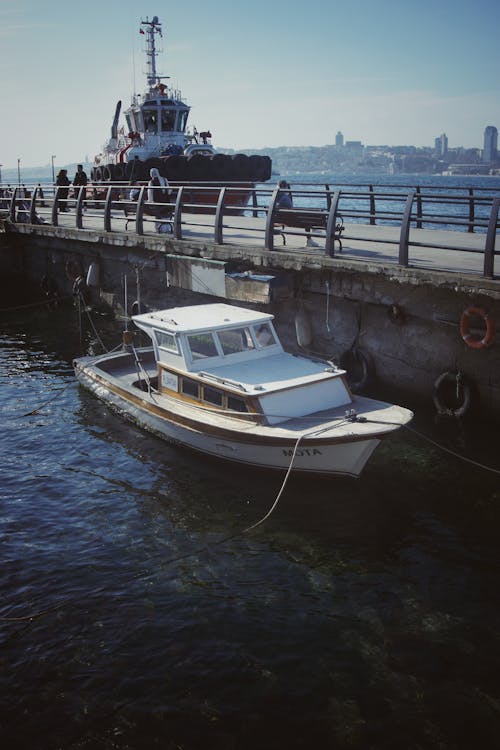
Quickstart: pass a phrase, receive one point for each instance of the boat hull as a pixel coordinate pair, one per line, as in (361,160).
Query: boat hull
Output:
(309,455)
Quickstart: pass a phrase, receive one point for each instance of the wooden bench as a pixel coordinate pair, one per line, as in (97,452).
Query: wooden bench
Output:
(309,220)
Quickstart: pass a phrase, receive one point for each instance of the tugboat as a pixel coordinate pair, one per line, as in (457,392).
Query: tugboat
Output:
(157,136)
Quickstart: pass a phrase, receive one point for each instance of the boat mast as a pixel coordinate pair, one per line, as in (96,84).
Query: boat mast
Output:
(153,28)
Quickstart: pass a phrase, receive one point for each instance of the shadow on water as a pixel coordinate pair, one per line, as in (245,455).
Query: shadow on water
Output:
(135,614)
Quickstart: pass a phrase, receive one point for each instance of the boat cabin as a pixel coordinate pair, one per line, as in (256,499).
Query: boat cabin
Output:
(231,358)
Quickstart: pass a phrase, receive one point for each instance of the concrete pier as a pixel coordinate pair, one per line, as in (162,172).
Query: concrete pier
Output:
(406,319)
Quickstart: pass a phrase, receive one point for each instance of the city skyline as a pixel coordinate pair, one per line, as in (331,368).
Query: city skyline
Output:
(281,75)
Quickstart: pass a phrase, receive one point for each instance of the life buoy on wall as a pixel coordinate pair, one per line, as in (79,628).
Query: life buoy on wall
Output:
(452,394)
(474,341)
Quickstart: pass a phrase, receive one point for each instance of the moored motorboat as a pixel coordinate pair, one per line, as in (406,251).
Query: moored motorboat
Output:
(217,380)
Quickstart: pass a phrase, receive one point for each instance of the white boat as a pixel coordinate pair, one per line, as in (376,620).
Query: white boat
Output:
(157,135)
(217,380)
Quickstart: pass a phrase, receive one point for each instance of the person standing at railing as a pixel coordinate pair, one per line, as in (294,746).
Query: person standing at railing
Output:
(79,180)
(158,187)
(63,184)
(159,192)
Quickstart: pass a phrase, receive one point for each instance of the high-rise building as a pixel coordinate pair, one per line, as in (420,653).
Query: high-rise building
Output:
(490,143)
(339,140)
(441,145)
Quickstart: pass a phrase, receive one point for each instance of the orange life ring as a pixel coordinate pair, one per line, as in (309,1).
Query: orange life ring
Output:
(474,342)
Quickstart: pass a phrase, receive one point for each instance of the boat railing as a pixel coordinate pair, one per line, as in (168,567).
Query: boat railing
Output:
(247,214)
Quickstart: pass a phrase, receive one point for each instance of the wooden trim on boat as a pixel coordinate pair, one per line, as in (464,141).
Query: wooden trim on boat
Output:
(222,432)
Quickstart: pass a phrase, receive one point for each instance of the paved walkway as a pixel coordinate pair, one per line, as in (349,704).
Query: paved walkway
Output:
(436,249)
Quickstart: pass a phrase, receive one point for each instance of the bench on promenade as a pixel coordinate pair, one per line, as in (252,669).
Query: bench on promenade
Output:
(310,220)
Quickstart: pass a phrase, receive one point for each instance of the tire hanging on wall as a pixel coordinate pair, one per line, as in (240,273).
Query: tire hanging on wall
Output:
(359,367)
(452,394)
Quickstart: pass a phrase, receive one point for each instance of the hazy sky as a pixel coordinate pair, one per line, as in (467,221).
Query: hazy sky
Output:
(257,74)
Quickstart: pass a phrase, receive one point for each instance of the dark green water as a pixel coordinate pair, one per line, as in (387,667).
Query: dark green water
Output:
(360,615)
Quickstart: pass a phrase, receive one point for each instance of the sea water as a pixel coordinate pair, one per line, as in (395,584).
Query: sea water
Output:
(135,614)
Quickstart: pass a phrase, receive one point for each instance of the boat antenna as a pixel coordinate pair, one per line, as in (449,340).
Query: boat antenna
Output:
(152,29)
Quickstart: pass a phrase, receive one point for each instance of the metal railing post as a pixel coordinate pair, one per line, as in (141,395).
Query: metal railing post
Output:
(373,221)
(269,235)
(12,207)
(79,206)
(177,227)
(471,210)
(255,211)
(331,224)
(139,211)
(107,210)
(405,231)
(419,207)
(219,216)
(55,209)
(489,250)
(33,205)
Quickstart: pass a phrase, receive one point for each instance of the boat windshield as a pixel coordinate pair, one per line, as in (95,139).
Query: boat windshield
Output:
(167,119)
(235,340)
(264,335)
(150,120)
(202,345)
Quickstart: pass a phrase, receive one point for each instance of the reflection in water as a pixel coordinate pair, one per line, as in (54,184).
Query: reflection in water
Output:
(362,614)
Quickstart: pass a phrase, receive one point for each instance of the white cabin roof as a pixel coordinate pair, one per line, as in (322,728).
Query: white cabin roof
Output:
(194,318)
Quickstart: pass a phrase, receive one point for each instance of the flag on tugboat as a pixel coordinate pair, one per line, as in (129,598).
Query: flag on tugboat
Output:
(141,31)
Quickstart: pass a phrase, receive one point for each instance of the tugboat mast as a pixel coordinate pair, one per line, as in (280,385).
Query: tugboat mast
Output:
(153,28)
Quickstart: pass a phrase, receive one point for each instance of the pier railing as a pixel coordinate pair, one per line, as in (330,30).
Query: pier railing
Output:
(215,211)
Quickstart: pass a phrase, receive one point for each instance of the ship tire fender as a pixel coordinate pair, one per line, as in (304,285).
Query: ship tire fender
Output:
(119,172)
(473,342)
(463,395)
(359,368)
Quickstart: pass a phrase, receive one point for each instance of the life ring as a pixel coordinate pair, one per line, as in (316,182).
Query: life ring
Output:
(359,368)
(473,341)
(452,394)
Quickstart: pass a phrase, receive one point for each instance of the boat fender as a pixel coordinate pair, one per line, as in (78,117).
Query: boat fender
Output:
(452,394)
(475,341)
(359,368)
(303,328)
(93,274)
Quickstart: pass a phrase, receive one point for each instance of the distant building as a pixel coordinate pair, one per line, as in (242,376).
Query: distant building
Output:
(490,143)
(441,145)
(355,148)
(339,140)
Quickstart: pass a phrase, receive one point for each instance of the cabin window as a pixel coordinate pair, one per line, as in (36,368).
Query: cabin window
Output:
(234,403)
(212,395)
(190,388)
(183,115)
(235,340)
(202,345)
(264,335)
(167,119)
(150,120)
(167,341)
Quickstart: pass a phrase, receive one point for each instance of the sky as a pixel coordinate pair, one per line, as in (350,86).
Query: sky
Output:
(257,75)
